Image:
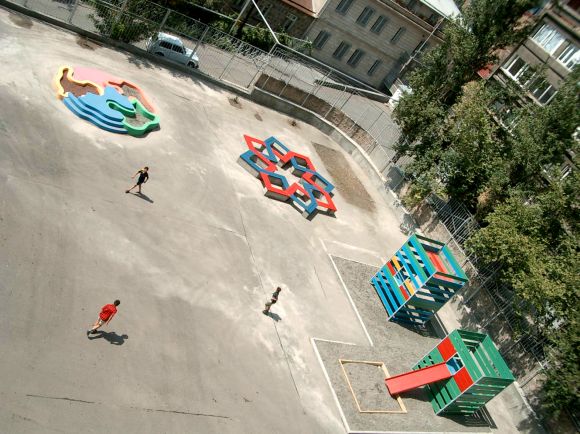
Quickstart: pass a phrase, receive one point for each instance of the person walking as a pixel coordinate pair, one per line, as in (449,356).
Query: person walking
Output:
(143,178)
(108,311)
(272,301)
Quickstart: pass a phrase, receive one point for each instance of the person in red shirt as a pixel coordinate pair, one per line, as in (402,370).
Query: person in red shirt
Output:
(108,311)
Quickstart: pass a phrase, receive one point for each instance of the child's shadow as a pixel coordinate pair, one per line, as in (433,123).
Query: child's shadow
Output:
(111,337)
(274,316)
(143,196)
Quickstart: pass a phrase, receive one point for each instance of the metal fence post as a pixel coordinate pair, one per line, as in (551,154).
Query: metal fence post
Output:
(373,124)
(270,58)
(72,11)
(164,20)
(286,85)
(262,68)
(359,119)
(334,102)
(227,65)
(320,84)
(199,41)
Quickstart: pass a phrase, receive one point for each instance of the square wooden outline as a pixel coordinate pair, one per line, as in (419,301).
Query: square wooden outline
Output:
(387,375)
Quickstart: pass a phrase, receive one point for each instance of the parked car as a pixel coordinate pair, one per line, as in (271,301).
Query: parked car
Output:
(172,47)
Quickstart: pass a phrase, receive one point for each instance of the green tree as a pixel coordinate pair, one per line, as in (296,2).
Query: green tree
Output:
(535,241)
(543,134)
(466,166)
(469,45)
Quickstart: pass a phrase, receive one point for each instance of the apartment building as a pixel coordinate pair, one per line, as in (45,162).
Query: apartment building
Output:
(541,62)
(371,40)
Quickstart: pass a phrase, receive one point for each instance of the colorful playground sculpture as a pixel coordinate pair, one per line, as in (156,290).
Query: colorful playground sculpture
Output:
(109,102)
(419,279)
(462,373)
(311,194)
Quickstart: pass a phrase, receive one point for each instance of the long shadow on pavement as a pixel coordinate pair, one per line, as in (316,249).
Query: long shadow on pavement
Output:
(111,337)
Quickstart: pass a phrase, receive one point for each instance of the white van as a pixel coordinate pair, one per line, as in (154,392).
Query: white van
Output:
(172,47)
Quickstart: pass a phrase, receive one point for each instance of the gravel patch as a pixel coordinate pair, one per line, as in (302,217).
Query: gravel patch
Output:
(399,348)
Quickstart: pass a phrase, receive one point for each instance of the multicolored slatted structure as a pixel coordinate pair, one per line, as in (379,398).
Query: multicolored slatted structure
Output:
(479,372)
(418,280)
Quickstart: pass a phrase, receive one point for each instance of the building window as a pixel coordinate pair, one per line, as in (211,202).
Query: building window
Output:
(398,35)
(516,68)
(344,6)
(373,68)
(432,19)
(356,57)
(341,50)
(412,5)
(321,39)
(542,91)
(548,38)
(570,57)
(289,22)
(379,24)
(365,16)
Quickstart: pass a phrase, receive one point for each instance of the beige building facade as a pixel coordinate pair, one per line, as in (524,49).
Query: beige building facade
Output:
(372,40)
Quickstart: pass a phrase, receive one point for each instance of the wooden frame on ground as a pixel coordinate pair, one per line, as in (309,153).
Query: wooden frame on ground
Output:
(381,365)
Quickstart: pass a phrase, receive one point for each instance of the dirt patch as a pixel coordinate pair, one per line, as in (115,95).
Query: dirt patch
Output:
(235,102)
(345,180)
(75,88)
(21,21)
(85,43)
(293,123)
(258,117)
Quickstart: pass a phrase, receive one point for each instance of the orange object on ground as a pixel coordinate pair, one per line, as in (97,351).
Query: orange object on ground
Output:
(413,379)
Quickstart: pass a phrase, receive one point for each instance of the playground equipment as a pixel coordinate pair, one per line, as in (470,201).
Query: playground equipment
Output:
(419,279)
(106,101)
(462,374)
(311,194)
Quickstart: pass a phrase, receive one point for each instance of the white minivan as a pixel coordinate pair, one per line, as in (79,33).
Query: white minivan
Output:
(172,47)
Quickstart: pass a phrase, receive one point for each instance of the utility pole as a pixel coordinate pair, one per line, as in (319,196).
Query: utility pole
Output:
(242,18)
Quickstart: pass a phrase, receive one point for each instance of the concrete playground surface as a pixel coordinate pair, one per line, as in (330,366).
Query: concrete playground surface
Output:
(192,262)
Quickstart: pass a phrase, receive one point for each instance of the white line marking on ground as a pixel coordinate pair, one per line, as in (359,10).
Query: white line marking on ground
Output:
(351,302)
(361,249)
(312,341)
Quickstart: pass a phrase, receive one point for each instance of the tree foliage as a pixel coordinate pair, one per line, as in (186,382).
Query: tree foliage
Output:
(535,240)
(452,123)
(127,22)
